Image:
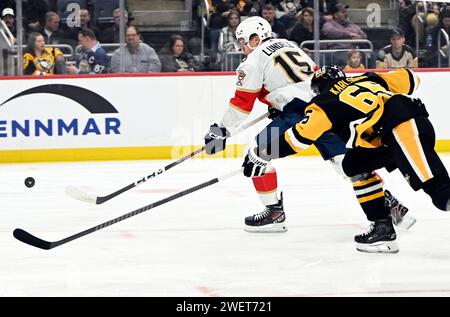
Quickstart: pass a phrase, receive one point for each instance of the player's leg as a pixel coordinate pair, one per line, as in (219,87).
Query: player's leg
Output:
(359,164)
(376,159)
(270,145)
(412,143)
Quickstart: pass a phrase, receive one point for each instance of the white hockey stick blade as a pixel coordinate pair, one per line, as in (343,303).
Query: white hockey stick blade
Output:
(76,193)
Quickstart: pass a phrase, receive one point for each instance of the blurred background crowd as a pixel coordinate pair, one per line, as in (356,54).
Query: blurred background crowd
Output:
(45,37)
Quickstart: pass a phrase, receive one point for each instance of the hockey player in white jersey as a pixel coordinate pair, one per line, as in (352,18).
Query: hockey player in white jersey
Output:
(278,73)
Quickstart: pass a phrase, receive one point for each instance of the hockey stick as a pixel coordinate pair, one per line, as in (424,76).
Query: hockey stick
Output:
(34,241)
(83,196)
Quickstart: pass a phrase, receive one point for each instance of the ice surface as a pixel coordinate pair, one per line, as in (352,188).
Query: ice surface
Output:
(196,245)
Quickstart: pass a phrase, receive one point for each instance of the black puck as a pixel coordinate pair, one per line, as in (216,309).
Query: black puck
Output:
(29,182)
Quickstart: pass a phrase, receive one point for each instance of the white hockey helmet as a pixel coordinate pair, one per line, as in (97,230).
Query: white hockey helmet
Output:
(253,25)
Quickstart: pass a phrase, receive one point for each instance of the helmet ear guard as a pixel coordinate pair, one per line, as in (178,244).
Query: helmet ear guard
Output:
(325,75)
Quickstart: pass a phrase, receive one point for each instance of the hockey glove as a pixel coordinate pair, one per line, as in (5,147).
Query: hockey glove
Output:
(215,139)
(273,112)
(254,165)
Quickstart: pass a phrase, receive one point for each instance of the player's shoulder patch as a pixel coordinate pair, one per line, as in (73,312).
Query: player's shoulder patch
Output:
(241,75)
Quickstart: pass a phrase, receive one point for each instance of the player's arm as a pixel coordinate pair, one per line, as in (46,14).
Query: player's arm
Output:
(248,87)
(399,81)
(307,131)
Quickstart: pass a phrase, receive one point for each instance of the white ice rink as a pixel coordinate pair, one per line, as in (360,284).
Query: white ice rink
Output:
(196,245)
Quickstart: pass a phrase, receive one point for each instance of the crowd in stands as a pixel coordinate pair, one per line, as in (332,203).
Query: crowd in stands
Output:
(291,19)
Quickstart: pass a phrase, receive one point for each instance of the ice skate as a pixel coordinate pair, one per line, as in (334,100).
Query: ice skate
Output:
(272,219)
(379,238)
(399,212)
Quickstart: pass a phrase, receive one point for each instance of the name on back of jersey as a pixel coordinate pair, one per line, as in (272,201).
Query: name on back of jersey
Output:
(272,48)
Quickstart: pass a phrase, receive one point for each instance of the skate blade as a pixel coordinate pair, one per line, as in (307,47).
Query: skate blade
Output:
(378,247)
(279,227)
(407,222)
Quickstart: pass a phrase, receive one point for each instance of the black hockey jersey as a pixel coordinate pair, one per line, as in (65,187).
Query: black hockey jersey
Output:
(353,108)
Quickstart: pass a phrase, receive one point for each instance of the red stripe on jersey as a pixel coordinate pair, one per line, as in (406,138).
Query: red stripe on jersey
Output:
(244,100)
(266,183)
(262,96)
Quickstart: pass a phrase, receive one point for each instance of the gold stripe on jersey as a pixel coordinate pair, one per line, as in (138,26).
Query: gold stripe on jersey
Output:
(407,137)
(400,81)
(370,100)
(369,189)
(255,91)
(363,130)
(371,197)
(368,181)
(314,124)
(266,192)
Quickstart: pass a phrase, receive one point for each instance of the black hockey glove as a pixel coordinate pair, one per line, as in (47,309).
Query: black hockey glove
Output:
(420,107)
(254,165)
(215,139)
(273,112)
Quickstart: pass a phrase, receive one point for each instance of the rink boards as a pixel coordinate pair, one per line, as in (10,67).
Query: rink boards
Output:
(156,116)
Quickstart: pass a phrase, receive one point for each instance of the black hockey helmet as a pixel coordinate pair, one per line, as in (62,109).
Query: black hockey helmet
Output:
(325,75)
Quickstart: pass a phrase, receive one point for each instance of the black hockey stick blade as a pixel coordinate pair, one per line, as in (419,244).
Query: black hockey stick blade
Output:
(28,238)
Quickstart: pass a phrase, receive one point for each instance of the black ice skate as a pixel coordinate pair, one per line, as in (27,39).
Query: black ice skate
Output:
(379,238)
(272,219)
(399,215)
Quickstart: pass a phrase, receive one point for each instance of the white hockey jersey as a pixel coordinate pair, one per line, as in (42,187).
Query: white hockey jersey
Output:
(276,72)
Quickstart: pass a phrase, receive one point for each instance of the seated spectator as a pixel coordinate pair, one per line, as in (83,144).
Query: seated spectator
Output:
(112,33)
(9,19)
(138,58)
(342,28)
(398,54)
(304,28)
(268,13)
(219,20)
(50,31)
(325,7)
(85,23)
(175,58)
(228,35)
(41,60)
(92,58)
(432,39)
(354,60)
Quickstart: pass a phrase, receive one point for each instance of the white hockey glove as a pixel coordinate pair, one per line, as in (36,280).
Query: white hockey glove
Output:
(254,165)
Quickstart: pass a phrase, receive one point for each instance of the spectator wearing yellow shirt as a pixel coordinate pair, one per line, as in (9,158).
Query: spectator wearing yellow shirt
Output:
(41,60)
(354,60)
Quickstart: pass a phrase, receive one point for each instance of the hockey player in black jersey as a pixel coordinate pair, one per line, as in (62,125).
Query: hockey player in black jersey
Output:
(383,128)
